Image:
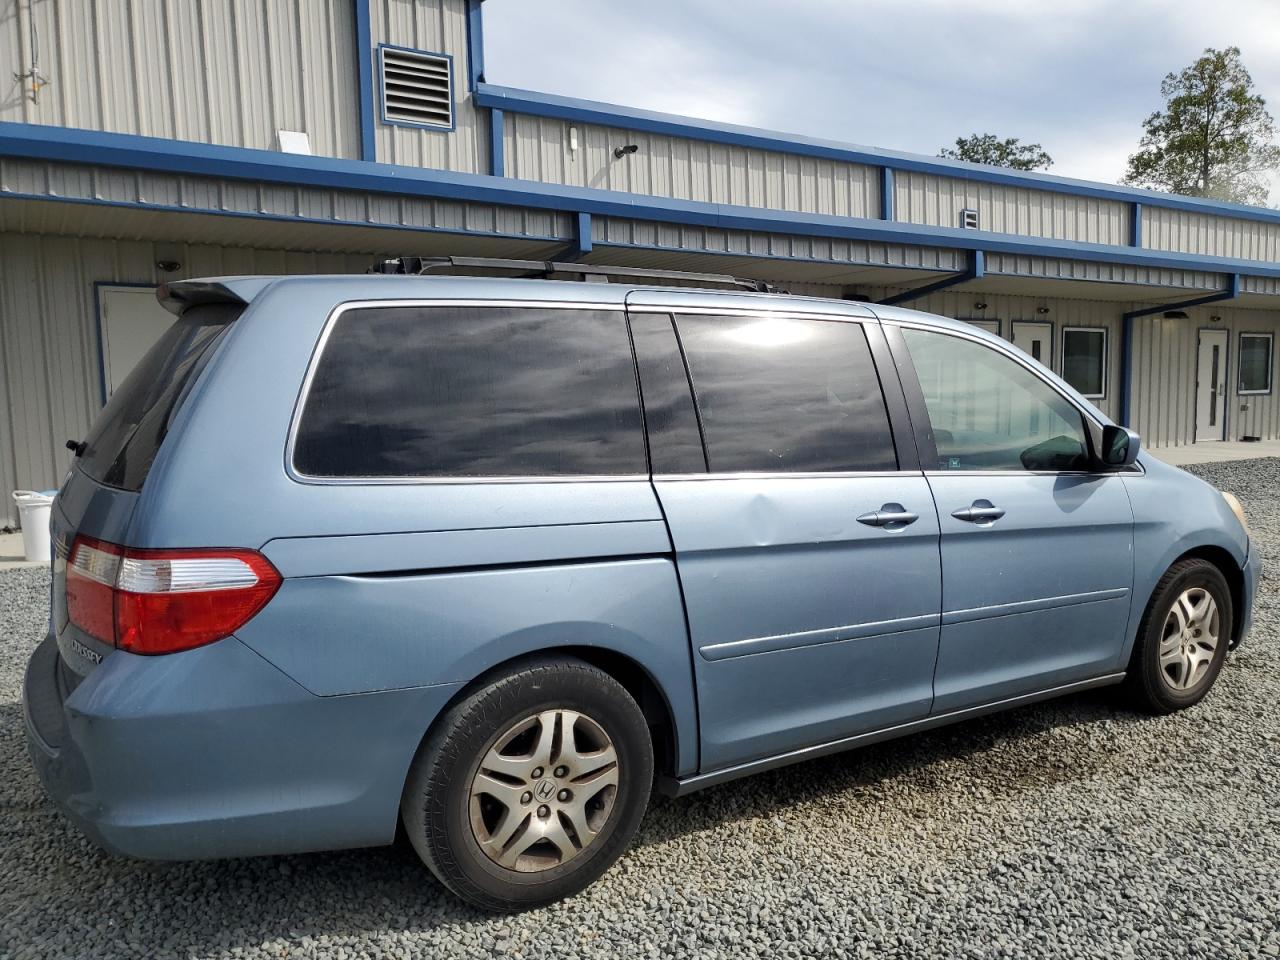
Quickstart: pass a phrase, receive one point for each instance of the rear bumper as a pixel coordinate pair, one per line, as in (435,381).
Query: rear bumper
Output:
(1252,571)
(215,753)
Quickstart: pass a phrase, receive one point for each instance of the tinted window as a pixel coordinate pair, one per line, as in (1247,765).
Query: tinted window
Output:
(128,433)
(1255,363)
(989,412)
(472,392)
(675,444)
(786,395)
(1084,360)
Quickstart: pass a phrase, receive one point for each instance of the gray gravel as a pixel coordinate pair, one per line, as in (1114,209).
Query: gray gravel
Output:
(1067,829)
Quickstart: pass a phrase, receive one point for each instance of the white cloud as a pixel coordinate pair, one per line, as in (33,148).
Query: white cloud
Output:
(1078,76)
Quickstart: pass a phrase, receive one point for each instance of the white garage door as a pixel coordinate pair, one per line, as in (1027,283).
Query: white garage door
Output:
(130,320)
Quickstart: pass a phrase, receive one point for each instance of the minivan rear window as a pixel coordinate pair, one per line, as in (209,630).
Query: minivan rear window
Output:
(128,433)
(438,392)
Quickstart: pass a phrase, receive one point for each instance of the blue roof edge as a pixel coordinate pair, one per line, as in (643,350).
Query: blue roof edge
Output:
(649,121)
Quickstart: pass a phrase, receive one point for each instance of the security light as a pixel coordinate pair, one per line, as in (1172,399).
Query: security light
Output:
(620,152)
(979,305)
(1175,314)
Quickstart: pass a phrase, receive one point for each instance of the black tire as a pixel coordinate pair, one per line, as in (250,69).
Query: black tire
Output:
(437,805)
(1148,685)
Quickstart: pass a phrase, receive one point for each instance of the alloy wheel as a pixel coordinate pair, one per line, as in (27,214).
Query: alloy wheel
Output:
(1190,638)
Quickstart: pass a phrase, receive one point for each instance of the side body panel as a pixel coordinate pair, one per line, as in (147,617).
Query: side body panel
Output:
(1038,598)
(807,625)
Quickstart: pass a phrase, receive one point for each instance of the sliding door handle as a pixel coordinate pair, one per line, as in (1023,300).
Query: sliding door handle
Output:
(892,515)
(981,511)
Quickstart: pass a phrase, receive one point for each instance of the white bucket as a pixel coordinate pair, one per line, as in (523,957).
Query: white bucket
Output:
(33,516)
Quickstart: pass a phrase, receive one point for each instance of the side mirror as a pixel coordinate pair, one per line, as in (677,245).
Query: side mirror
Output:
(1120,447)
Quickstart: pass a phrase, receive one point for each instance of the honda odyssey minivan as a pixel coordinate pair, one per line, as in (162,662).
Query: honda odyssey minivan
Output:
(489,559)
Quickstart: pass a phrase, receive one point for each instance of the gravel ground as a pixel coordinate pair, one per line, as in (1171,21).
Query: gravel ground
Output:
(1066,829)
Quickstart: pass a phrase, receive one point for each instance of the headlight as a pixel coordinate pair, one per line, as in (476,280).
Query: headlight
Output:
(1234,503)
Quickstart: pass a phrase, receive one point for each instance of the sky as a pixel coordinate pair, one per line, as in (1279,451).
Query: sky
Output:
(1078,78)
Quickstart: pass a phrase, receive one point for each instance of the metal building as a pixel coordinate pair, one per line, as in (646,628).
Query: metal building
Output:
(154,139)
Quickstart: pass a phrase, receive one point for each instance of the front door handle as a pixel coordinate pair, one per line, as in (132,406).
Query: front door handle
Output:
(892,515)
(982,512)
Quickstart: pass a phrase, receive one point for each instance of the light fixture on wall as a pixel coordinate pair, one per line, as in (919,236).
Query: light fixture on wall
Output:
(620,152)
(1175,315)
(979,305)
(168,266)
(1042,310)
(1215,319)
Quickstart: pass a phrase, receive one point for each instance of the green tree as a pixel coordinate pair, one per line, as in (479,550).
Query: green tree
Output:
(1214,137)
(989,149)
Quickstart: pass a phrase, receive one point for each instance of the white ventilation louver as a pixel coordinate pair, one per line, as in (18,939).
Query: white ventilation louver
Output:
(416,88)
(969,219)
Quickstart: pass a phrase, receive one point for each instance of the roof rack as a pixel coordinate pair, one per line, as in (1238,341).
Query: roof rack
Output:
(558,270)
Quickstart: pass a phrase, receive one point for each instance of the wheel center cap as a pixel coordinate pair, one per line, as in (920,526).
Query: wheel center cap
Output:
(545,790)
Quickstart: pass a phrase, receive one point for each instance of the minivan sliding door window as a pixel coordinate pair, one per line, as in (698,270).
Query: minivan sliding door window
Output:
(471,392)
(786,396)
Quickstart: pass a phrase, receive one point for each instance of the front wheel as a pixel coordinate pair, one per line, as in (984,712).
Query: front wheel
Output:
(1182,641)
(529,788)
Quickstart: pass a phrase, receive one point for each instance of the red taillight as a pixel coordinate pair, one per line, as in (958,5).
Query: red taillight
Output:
(163,601)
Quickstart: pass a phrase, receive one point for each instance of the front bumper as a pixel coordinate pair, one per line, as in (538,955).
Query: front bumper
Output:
(215,753)
(1252,571)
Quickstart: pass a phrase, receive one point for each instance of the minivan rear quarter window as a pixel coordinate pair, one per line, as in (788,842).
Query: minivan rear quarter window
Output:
(437,392)
(780,395)
(128,433)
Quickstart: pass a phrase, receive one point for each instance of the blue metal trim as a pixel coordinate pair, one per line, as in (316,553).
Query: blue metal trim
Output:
(497,145)
(886,193)
(611,115)
(1135,224)
(976,271)
(68,145)
(582,235)
(97,326)
(382,93)
(475,44)
(1126,338)
(364,80)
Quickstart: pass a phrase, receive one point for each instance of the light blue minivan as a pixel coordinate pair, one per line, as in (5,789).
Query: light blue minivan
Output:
(489,558)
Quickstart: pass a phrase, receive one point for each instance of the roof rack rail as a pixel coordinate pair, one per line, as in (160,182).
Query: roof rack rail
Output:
(555,269)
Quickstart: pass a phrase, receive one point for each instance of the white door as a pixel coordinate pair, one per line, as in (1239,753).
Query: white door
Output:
(1035,338)
(991,326)
(130,320)
(1211,386)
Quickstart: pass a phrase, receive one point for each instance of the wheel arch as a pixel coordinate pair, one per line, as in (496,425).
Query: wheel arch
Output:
(1231,572)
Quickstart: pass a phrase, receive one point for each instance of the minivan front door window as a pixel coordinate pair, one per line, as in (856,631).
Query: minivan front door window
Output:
(990,412)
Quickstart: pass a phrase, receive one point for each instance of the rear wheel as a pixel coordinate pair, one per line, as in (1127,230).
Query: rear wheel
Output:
(1182,641)
(529,788)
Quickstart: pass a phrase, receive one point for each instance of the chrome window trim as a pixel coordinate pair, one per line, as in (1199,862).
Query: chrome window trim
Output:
(317,352)
(738,311)
(783,475)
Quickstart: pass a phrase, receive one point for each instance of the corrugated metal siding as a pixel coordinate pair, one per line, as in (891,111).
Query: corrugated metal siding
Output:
(435,26)
(231,72)
(614,230)
(538,148)
(39,179)
(1165,375)
(1055,269)
(1212,236)
(937,201)
(49,369)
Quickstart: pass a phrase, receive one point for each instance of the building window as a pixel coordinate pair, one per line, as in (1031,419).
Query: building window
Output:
(1255,362)
(417,87)
(1084,360)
